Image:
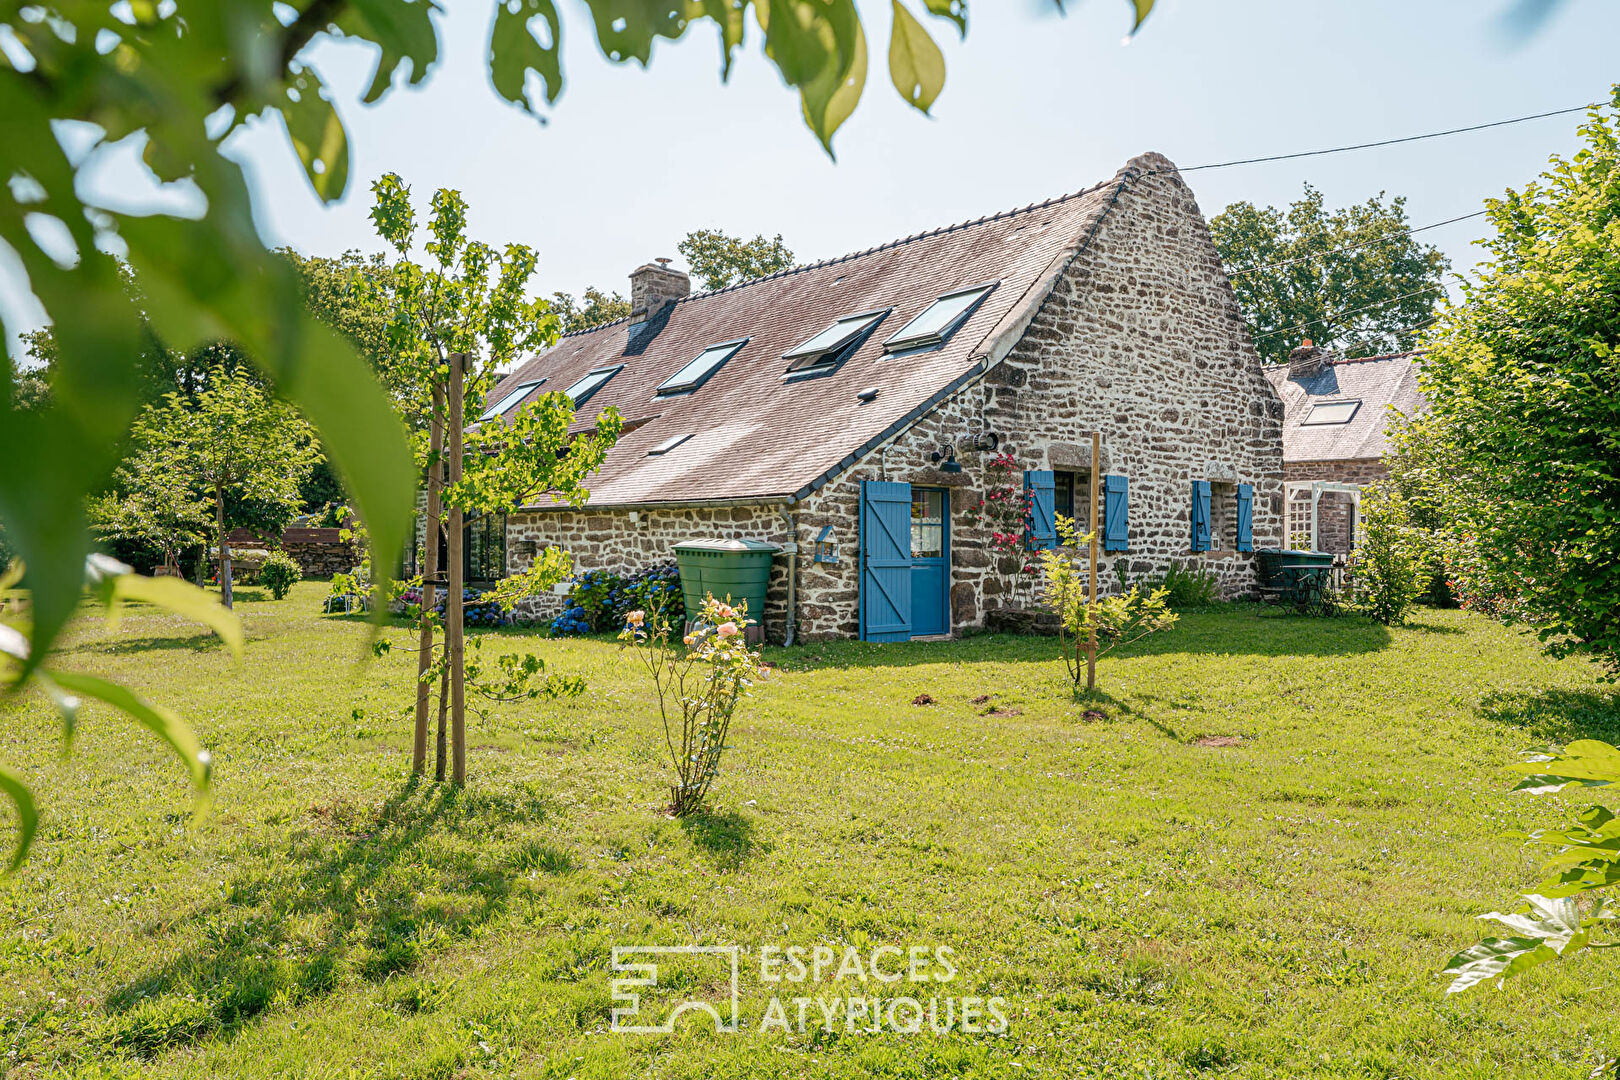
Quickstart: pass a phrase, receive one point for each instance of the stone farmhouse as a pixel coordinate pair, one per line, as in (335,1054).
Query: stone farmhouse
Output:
(1336,413)
(847,411)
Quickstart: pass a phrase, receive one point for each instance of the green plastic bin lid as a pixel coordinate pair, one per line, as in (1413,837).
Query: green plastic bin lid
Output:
(727,545)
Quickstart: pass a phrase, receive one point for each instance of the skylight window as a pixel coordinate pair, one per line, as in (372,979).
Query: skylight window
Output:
(509,402)
(940,320)
(826,346)
(668,444)
(696,373)
(593,381)
(1331,412)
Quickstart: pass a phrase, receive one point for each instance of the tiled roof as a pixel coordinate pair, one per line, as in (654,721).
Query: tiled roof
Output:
(754,434)
(1380,383)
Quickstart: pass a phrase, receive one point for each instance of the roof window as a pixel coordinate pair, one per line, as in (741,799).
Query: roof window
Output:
(1331,412)
(668,444)
(940,320)
(509,402)
(826,347)
(593,381)
(697,372)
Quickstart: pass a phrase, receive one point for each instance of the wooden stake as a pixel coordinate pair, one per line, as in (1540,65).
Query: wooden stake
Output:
(430,577)
(453,613)
(1096,525)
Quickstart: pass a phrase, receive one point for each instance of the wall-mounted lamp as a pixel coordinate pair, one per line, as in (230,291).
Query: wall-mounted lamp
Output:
(945,457)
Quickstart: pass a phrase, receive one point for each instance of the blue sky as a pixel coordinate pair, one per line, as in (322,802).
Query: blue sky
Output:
(1034,105)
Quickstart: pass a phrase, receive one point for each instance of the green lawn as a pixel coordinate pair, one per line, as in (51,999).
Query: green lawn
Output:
(1148,904)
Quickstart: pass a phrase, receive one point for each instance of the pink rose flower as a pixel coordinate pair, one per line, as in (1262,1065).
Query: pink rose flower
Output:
(727,629)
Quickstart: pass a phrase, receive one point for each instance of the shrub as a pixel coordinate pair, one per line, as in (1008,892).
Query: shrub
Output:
(698,687)
(279,573)
(592,594)
(1386,571)
(1186,588)
(571,622)
(653,589)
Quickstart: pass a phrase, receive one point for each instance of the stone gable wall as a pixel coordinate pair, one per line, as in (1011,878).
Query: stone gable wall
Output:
(1142,338)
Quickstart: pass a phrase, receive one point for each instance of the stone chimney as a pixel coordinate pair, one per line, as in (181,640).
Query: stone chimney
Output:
(1307,360)
(652,286)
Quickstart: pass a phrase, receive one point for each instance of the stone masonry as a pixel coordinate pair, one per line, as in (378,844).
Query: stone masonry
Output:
(1141,338)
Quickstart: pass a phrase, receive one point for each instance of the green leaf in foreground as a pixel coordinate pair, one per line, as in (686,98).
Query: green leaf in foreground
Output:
(27,816)
(916,65)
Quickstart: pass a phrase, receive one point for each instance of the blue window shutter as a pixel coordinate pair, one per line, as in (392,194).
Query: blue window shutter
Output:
(1245,517)
(1042,525)
(885,603)
(1200,515)
(1116,513)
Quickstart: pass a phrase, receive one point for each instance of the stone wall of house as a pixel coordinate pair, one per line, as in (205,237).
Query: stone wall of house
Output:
(1335,522)
(607,539)
(1143,339)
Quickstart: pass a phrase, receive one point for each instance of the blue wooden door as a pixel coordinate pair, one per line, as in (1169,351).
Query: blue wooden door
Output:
(930,561)
(885,604)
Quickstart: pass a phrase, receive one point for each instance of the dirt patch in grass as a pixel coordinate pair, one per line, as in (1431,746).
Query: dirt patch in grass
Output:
(1218,740)
(922,699)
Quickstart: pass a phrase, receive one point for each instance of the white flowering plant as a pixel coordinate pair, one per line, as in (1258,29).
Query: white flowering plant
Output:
(700,681)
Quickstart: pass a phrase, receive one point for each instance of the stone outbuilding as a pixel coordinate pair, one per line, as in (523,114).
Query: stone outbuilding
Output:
(856,411)
(1336,414)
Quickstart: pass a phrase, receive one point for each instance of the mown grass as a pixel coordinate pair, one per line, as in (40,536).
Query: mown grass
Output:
(1152,899)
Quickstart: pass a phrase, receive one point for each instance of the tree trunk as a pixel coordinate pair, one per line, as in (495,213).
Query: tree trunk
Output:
(453,613)
(224,552)
(439,749)
(1096,525)
(430,577)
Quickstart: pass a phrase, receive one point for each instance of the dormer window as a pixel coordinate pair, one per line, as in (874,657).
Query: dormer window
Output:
(940,320)
(1331,412)
(593,381)
(827,347)
(510,401)
(696,373)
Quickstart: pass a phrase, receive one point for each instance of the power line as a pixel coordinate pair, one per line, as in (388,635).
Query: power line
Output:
(1390,142)
(1387,238)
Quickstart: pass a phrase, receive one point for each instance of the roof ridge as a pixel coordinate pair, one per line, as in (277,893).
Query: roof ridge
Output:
(822,263)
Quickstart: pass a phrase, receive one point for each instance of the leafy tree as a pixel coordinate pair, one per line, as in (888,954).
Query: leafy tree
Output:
(1517,453)
(176,80)
(233,440)
(720,260)
(596,308)
(1354,279)
(152,510)
(453,322)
